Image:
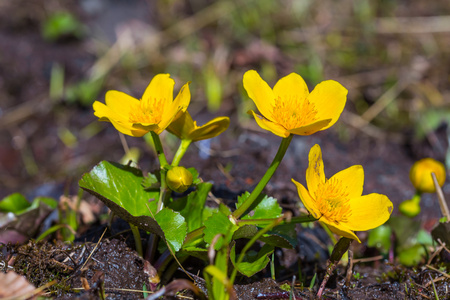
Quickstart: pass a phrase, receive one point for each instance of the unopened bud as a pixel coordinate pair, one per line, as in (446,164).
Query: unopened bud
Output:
(420,175)
(179,179)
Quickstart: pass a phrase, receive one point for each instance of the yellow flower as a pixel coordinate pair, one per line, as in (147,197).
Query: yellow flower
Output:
(290,109)
(185,128)
(154,112)
(411,207)
(420,175)
(337,201)
(179,179)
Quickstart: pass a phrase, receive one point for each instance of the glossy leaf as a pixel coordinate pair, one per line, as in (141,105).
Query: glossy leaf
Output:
(119,187)
(14,203)
(253,261)
(267,208)
(195,204)
(219,224)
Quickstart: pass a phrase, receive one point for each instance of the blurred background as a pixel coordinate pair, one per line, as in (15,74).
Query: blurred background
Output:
(58,57)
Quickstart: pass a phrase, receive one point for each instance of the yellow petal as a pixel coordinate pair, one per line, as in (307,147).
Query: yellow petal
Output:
(369,211)
(180,103)
(311,128)
(307,201)
(120,102)
(260,92)
(211,129)
(265,124)
(291,86)
(352,180)
(340,229)
(160,88)
(182,125)
(329,98)
(315,174)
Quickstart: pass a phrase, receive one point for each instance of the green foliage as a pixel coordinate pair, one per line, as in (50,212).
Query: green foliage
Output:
(219,224)
(14,203)
(62,24)
(119,187)
(254,261)
(380,238)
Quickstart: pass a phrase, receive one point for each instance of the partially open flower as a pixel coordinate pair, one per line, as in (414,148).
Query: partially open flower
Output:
(410,207)
(186,128)
(338,201)
(179,179)
(420,175)
(154,112)
(290,109)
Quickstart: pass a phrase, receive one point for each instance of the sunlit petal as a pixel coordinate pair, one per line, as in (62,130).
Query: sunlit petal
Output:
(307,200)
(311,128)
(315,174)
(211,129)
(160,88)
(329,98)
(291,86)
(120,102)
(369,211)
(352,180)
(271,126)
(341,230)
(260,92)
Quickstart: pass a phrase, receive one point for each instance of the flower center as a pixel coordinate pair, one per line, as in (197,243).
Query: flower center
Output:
(332,201)
(148,111)
(293,112)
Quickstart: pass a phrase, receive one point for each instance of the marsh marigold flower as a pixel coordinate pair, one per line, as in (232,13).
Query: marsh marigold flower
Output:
(420,175)
(153,112)
(289,108)
(186,128)
(338,201)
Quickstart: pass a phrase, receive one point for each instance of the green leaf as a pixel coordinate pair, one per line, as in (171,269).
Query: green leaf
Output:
(196,179)
(380,238)
(150,182)
(277,237)
(27,221)
(119,187)
(174,227)
(267,208)
(14,203)
(219,224)
(195,204)
(253,261)
(412,256)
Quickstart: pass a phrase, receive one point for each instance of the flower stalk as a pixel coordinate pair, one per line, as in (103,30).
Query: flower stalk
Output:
(251,200)
(184,145)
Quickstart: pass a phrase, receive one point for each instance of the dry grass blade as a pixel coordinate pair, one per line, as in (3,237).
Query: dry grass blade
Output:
(442,203)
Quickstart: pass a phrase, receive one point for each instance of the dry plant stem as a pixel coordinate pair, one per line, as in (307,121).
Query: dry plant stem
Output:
(442,203)
(265,179)
(339,249)
(180,152)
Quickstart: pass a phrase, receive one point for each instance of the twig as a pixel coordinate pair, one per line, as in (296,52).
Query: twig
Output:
(440,194)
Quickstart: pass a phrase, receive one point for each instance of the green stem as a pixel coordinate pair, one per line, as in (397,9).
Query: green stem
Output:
(163,166)
(259,222)
(159,150)
(263,182)
(274,223)
(184,145)
(195,234)
(137,239)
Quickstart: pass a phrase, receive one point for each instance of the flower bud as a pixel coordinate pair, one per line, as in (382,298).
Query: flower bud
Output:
(411,207)
(420,175)
(179,179)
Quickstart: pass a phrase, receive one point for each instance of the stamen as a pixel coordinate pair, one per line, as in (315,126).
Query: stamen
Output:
(293,112)
(332,201)
(148,111)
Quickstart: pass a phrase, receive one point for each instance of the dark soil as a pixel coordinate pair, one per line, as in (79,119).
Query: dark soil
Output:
(34,160)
